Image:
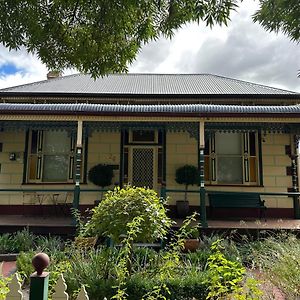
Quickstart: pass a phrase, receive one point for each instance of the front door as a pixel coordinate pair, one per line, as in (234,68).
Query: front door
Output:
(143,166)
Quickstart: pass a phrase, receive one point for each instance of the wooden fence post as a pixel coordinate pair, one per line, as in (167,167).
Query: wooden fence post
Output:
(39,280)
(15,292)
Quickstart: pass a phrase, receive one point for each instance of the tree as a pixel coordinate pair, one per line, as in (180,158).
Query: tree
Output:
(100,36)
(280,15)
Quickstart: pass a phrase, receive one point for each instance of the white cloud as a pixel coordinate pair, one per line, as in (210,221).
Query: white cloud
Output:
(31,68)
(242,50)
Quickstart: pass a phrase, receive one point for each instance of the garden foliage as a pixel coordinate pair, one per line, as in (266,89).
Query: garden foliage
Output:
(119,208)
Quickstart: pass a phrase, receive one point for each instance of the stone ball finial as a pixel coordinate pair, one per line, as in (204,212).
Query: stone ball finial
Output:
(40,261)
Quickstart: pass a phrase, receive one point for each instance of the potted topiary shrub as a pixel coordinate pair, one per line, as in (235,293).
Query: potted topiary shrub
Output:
(187,175)
(101,175)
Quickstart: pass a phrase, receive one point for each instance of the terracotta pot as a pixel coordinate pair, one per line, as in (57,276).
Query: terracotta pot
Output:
(191,245)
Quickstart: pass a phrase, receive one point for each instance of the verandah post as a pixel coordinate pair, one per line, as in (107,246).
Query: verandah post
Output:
(163,193)
(295,174)
(201,167)
(76,199)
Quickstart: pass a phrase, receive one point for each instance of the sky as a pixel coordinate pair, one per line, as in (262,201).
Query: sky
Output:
(243,50)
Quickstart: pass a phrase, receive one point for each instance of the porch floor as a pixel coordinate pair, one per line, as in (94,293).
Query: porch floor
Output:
(38,225)
(49,224)
(288,224)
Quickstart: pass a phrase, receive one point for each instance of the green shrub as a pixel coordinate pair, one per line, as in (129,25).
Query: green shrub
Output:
(49,244)
(95,269)
(7,243)
(187,287)
(224,276)
(24,240)
(24,265)
(120,206)
(3,287)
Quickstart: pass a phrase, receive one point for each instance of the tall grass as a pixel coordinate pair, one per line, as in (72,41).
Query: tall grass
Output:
(278,257)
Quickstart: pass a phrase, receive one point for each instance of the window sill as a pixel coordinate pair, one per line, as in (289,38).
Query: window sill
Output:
(53,183)
(236,185)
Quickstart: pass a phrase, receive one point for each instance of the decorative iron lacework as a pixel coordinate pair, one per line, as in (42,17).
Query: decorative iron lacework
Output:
(191,128)
(252,127)
(70,127)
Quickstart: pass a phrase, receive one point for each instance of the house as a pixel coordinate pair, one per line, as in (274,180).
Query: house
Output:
(242,136)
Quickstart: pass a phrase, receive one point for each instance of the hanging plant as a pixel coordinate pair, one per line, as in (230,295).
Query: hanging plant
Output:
(101,175)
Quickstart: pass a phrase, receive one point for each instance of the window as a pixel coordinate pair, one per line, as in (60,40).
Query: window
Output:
(231,158)
(143,136)
(50,156)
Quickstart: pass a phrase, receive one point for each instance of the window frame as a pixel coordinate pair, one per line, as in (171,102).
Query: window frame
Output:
(141,142)
(211,161)
(40,154)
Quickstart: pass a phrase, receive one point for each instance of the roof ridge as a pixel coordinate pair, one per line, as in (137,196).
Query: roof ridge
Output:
(39,82)
(253,83)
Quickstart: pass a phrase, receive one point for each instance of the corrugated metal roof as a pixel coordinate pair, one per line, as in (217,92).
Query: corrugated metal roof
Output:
(188,109)
(147,84)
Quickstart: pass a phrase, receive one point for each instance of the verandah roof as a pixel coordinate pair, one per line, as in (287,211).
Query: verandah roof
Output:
(152,110)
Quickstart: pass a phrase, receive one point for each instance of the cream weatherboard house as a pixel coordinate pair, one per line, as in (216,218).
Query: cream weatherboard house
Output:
(242,136)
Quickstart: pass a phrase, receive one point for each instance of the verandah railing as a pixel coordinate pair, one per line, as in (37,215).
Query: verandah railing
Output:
(293,195)
(163,193)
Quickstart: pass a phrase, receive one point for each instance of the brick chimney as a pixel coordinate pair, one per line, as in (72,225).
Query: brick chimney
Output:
(54,74)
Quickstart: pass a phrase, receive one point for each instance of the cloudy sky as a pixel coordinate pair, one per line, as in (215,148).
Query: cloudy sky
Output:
(243,50)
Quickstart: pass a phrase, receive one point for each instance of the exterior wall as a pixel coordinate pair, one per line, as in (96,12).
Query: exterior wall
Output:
(103,147)
(11,173)
(275,163)
(181,149)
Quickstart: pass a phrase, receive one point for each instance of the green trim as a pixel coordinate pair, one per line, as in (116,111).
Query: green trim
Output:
(260,161)
(76,199)
(25,157)
(69,126)
(39,286)
(190,127)
(164,154)
(202,184)
(121,175)
(85,158)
